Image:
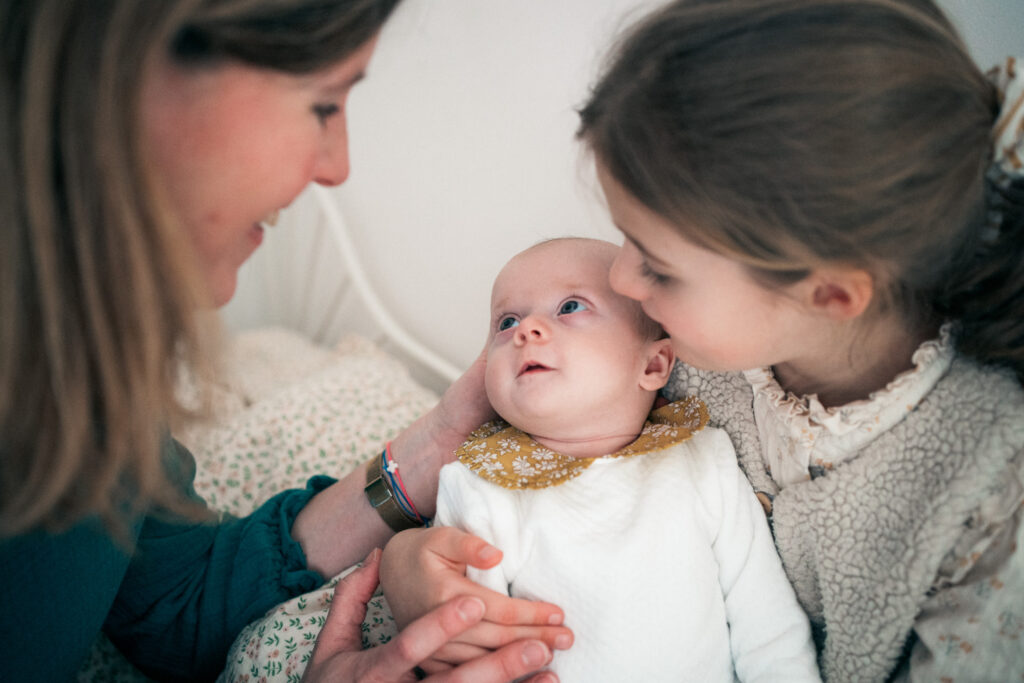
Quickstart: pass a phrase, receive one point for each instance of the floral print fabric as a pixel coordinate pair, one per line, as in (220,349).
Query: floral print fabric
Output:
(509,457)
(283,411)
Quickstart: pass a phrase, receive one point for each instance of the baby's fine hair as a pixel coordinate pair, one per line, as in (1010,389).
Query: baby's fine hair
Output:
(792,134)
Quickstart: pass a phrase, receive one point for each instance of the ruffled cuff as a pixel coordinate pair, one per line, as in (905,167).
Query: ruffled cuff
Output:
(294,576)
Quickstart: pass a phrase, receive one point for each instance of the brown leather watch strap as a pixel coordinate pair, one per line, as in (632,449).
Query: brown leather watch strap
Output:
(382,498)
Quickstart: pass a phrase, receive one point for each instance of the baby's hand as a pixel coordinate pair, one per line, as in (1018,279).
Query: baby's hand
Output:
(422,569)
(338,655)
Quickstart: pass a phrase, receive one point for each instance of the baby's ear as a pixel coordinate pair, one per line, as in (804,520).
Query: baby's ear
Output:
(660,358)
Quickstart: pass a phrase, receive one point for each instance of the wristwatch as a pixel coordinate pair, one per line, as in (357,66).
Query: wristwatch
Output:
(382,498)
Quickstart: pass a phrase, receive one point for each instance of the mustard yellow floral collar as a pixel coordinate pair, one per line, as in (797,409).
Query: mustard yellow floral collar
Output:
(510,458)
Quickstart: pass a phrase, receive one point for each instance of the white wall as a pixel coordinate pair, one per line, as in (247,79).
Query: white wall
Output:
(992,29)
(463,151)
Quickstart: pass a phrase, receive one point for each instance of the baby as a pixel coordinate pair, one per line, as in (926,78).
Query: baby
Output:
(638,523)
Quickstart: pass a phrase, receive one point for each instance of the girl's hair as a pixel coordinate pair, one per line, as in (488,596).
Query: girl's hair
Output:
(790,134)
(98,294)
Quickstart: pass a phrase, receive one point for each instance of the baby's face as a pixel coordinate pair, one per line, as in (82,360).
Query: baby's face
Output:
(564,349)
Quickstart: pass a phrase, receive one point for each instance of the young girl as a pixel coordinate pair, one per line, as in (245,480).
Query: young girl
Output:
(822,205)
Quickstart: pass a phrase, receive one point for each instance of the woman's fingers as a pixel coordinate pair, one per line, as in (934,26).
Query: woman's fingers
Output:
(509,663)
(453,654)
(338,653)
(423,637)
(543,677)
(464,406)
(342,629)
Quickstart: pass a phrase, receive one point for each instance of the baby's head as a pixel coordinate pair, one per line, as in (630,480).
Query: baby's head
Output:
(570,361)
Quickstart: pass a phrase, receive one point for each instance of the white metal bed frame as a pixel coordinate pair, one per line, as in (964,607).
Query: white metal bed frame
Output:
(339,231)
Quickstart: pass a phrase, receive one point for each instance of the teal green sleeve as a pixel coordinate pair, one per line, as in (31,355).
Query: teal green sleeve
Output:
(191,587)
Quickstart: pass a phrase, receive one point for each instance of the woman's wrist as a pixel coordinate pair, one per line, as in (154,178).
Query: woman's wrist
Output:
(421,451)
(386,492)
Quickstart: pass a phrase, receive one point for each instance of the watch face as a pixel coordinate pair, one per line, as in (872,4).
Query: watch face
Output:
(377,490)
(382,498)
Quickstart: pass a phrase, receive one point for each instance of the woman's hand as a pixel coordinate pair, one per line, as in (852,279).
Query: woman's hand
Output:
(338,655)
(424,568)
(420,450)
(430,442)
(464,406)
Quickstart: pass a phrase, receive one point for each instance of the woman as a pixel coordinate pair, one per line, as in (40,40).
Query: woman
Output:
(144,144)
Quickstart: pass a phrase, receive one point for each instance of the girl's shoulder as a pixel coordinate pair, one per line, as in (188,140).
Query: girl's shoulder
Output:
(972,398)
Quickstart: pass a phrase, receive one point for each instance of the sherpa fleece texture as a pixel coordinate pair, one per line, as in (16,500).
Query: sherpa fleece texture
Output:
(862,545)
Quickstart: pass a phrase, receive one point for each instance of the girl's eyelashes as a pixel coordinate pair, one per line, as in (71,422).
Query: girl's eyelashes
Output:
(507,323)
(572,306)
(325,111)
(651,274)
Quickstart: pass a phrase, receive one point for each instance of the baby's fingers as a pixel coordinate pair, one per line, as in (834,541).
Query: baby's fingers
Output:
(502,609)
(491,636)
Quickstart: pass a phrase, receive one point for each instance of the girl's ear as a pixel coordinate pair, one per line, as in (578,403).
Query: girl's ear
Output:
(660,358)
(840,293)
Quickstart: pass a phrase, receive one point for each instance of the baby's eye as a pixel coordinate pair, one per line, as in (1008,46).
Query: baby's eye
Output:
(507,323)
(572,306)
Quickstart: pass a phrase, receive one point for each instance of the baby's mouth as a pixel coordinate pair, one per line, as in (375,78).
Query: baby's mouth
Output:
(530,367)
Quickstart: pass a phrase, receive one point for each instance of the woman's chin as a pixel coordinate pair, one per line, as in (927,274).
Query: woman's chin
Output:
(222,290)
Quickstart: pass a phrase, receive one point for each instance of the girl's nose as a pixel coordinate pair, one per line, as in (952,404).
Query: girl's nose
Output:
(625,277)
(332,166)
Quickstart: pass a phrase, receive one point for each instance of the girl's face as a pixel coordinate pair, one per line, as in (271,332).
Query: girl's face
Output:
(233,144)
(718,317)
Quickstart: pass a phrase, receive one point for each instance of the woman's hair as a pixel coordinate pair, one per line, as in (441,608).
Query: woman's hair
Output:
(791,134)
(98,292)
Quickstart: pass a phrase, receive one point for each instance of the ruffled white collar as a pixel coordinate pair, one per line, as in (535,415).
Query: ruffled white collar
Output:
(802,439)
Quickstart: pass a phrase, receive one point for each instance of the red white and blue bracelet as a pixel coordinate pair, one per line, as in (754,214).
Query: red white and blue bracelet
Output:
(387,494)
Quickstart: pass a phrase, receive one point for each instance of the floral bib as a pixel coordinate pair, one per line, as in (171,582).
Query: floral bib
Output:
(510,458)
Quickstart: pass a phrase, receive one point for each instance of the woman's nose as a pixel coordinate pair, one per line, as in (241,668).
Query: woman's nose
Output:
(332,166)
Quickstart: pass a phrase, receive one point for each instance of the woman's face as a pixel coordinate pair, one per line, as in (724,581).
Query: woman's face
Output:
(233,144)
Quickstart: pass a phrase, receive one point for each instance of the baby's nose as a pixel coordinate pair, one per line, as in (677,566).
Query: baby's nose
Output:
(532,329)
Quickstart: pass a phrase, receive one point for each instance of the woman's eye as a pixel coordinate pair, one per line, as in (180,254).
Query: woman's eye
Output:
(654,276)
(571,306)
(325,111)
(507,323)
